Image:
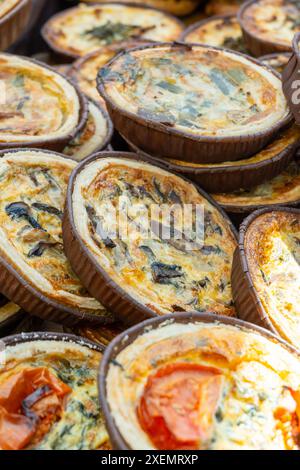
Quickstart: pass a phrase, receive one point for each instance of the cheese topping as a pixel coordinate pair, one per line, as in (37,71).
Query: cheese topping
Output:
(273,251)
(33,187)
(160,272)
(86,28)
(202,91)
(247,398)
(6,6)
(274,21)
(39,104)
(80,424)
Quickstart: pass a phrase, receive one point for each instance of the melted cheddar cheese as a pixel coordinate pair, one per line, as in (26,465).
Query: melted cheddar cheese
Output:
(272,245)
(256,399)
(199,90)
(165,273)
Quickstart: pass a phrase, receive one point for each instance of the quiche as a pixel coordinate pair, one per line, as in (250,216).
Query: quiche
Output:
(269,25)
(94,137)
(268,262)
(35,272)
(9,313)
(176,7)
(221,31)
(48,394)
(6,6)
(41,108)
(134,257)
(277,61)
(83,29)
(194,103)
(202,385)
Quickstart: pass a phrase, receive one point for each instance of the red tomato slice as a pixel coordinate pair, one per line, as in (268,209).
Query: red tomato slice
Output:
(178,406)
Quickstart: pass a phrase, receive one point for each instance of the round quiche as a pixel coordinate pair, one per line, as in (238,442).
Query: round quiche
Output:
(40,108)
(220,31)
(35,272)
(14,19)
(269,25)
(95,135)
(202,384)
(194,103)
(131,254)
(83,29)
(48,394)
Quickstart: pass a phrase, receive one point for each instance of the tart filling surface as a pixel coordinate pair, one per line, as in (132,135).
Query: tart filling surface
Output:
(164,273)
(33,186)
(6,6)
(198,90)
(274,21)
(272,248)
(84,29)
(205,386)
(39,103)
(49,398)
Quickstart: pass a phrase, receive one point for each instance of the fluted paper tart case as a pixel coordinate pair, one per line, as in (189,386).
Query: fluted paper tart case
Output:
(231,176)
(77,116)
(126,338)
(290,78)
(247,301)
(33,293)
(155,136)
(94,277)
(14,22)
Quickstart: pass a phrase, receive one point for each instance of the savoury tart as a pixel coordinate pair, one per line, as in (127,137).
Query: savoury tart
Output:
(48,391)
(41,107)
(10,314)
(266,271)
(176,7)
(203,384)
(277,60)
(78,31)
(194,103)
(95,136)
(220,31)
(14,18)
(137,272)
(35,272)
(269,25)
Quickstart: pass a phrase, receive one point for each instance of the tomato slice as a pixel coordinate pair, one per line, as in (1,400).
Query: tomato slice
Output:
(19,423)
(178,406)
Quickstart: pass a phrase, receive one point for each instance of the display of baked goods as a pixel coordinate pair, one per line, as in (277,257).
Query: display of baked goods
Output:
(48,394)
(176,7)
(269,25)
(34,270)
(41,107)
(277,61)
(10,314)
(85,28)
(266,271)
(95,135)
(14,18)
(145,274)
(220,31)
(202,385)
(193,103)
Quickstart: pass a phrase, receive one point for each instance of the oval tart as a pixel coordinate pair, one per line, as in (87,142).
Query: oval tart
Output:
(266,271)
(277,61)
(40,108)
(48,394)
(220,31)
(95,136)
(269,25)
(10,314)
(144,263)
(85,28)
(34,270)
(14,19)
(194,103)
(203,384)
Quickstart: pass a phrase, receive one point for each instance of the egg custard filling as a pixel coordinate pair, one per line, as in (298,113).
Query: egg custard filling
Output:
(39,103)
(198,90)
(164,273)
(274,21)
(49,398)
(6,6)
(272,248)
(205,386)
(86,28)
(33,186)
